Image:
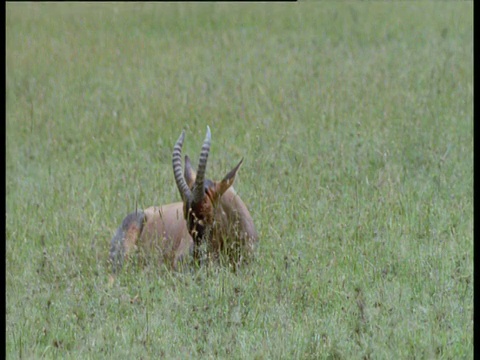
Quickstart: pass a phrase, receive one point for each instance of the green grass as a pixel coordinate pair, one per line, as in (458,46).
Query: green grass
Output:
(355,121)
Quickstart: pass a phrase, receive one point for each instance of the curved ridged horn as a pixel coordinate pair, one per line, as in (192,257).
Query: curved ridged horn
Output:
(177,168)
(198,189)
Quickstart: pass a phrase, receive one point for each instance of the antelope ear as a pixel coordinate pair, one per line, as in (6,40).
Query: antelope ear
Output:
(228,180)
(190,174)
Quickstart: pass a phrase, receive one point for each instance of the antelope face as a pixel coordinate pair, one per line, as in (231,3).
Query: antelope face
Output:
(199,195)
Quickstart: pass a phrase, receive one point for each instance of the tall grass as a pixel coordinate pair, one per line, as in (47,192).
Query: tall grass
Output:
(355,121)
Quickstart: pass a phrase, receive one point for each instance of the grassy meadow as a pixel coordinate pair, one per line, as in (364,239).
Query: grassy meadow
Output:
(355,121)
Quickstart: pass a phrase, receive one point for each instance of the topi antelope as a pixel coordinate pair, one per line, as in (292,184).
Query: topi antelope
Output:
(211,219)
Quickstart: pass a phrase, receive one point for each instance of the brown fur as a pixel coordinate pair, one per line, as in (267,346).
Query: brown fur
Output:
(165,231)
(230,225)
(160,231)
(220,221)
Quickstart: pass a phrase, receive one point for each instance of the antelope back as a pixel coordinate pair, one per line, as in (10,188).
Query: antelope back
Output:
(165,233)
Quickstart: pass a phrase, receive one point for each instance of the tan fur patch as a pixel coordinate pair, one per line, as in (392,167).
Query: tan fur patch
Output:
(131,237)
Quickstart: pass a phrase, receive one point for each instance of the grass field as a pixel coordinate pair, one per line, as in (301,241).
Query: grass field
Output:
(355,121)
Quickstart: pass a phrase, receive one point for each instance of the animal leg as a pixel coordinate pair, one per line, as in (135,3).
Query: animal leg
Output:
(125,239)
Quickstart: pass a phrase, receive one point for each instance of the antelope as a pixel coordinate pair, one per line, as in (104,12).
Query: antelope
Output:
(210,220)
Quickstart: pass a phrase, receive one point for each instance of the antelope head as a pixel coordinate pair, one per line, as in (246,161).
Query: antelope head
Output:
(200,196)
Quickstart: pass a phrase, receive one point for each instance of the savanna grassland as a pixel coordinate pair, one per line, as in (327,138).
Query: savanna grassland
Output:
(355,121)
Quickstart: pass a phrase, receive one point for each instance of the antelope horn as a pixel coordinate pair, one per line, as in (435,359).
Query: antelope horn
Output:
(198,188)
(177,168)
